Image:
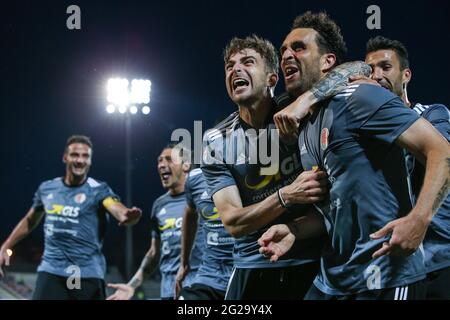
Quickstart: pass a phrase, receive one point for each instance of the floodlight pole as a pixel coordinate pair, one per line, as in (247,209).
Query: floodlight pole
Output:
(129,257)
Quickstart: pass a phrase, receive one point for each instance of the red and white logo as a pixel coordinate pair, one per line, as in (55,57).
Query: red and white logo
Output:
(80,198)
(324,138)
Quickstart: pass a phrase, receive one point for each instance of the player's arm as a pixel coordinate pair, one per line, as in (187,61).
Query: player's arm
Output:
(308,187)
(22,229)
(125,216)
(288,119)
(279,238)
(148,265)
(429,147)
(188,233)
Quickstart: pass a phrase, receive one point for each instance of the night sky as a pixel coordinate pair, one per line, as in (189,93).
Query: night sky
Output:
(53,82)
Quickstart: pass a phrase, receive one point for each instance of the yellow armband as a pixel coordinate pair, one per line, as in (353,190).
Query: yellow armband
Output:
(108,202)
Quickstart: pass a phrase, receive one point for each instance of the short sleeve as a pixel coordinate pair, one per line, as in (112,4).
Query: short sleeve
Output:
(106,192)
(377,112)
(439,116)
(188,190)
(215,170)
(37,200)
(154,225)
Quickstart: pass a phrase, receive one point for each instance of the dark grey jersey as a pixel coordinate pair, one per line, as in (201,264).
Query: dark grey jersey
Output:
(352,137)
(230,159)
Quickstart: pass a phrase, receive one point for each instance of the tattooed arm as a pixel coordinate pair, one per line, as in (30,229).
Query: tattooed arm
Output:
(287,120)
(148,265)
(427,145)
(338,78)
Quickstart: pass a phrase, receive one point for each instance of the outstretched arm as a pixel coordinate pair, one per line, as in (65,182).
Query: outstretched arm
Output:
(22,229)
(125,216)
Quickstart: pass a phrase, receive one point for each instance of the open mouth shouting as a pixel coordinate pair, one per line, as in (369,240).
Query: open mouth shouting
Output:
(291,72)
(239,85)
(165,175)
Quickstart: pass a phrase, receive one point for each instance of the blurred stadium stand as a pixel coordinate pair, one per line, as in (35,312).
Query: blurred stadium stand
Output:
(19,283)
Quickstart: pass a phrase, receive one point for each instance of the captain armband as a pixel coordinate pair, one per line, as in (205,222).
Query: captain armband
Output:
(109,201)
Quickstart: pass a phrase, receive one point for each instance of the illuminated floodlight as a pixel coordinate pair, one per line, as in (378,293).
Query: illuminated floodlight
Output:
(118,94)
(133,109)
(110,108)
(140,91)
(122,109)
(145,109)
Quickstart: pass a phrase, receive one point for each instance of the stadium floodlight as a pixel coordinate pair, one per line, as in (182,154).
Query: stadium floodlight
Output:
(140,91)
(145,110)
(110,108)
(122,109)
(133,109)
(118,92)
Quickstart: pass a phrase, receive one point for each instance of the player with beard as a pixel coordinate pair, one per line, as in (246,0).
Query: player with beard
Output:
(250,192)
(75,209)
(355,136)
(166,221)
(389,61)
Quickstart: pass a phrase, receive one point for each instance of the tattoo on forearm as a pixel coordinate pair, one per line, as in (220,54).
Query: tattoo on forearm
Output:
(337,79)
(443,193)
(134,283)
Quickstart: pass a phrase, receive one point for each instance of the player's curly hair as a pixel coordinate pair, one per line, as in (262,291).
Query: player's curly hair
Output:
(264,47)
(329,38)
(382,43)
(76,138)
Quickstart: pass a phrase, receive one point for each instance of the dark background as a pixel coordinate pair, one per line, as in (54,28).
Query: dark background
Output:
(53,83)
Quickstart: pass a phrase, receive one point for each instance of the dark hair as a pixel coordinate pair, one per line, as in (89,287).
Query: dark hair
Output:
(184,152)
(329,37)
(264,47)
(382,43)
(78,139)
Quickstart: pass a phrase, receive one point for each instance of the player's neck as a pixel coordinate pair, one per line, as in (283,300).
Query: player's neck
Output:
(72,180)
(178,188)
(256,115)
(405,99)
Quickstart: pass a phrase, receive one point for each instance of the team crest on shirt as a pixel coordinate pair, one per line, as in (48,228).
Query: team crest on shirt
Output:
(324,138)
(80,198)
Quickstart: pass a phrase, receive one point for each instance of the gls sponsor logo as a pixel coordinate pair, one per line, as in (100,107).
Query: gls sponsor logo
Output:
(288,166)
(65,211)
(171,223)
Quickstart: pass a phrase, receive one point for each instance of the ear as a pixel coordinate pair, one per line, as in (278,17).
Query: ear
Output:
(406,76)
(64,160)
(327,62)
(272,80)
(186,166)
